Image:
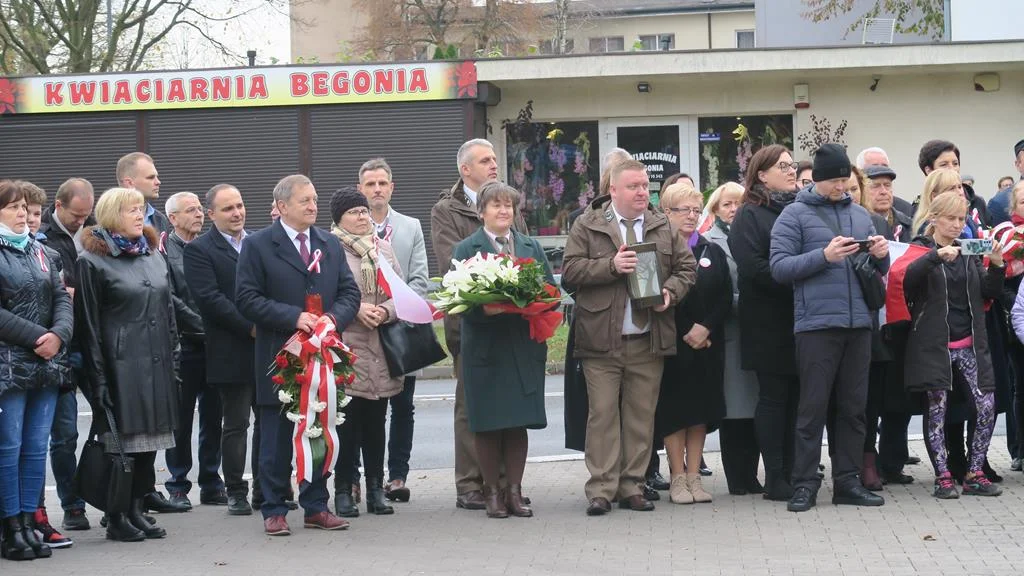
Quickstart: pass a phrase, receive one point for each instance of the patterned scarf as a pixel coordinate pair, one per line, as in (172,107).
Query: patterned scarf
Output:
(366,248)
(782,198)
(137,247)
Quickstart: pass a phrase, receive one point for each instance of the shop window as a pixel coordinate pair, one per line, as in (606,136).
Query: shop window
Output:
(727,143)
(555,165)
(658,42)
(745,39)
(608,44)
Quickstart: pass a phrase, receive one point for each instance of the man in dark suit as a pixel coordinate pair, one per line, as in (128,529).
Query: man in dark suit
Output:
(275,274)
(210,268)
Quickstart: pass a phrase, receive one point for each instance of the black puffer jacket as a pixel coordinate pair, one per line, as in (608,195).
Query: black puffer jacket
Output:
(127,331)
(33,301)
(927,365)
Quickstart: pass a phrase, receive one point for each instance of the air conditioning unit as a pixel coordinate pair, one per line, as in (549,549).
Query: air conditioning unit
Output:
(878,30)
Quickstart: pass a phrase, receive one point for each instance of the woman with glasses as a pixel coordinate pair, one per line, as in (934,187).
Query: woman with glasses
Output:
(691,401)
(363,428)
(767,345)
(125,320)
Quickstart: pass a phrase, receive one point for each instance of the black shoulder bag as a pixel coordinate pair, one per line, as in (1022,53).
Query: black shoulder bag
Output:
(105,480)
(864,269)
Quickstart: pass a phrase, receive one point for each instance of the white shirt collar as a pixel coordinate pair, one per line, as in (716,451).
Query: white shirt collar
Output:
(470,193)
(291,232)
(619,217)
(236,244)
(494,237)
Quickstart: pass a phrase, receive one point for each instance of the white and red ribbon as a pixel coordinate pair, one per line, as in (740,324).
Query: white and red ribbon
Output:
(314,263)
(42,261)
(317,385)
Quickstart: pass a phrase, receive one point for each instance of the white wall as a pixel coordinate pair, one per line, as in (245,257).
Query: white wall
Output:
(979,20)
(903,113)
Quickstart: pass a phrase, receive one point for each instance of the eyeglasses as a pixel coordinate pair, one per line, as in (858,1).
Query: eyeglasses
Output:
(684,211)
(358,212)
(785,166)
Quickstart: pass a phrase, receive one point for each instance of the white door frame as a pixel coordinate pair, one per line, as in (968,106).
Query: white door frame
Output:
(689,152)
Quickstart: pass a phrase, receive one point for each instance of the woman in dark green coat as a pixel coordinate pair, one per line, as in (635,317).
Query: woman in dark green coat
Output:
(502,368)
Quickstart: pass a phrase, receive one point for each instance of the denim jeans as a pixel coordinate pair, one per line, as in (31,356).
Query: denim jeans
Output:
(25,423)
(63,444)
(194,388)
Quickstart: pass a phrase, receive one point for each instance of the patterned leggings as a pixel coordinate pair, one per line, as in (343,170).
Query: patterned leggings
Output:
(984,414)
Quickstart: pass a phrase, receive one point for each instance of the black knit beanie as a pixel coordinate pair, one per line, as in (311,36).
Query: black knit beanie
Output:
(345,199)
(830,161)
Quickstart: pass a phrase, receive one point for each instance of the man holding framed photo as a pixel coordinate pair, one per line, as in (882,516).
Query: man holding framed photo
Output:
(622,341)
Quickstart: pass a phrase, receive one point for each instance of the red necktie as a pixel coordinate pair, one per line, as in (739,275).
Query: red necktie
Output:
(303,250)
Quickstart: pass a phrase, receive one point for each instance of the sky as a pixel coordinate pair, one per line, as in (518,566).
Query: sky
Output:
(261,25)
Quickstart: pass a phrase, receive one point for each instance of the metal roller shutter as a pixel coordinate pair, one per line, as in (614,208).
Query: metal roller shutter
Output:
(48,149)
(249,148)
(419,141)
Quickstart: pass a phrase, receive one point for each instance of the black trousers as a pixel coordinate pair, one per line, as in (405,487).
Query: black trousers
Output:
(892,442)
(874,406)
(740,453)
(194,388)
(237,403)
(400,432)
(145,473)
(363,430)
(831,360)
(775,421)
(1015,433)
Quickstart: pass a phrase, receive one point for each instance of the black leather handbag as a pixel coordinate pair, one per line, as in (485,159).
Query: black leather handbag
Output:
(409,347)
(105,480)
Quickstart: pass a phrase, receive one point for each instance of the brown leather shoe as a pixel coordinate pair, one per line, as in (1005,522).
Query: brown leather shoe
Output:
(599,507)
(495,503)
(325,521)
(514,501)
(636,503)
(396,491)
(276,526)
(472,500)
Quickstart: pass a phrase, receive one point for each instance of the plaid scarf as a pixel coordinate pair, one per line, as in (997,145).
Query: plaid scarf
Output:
(366,248)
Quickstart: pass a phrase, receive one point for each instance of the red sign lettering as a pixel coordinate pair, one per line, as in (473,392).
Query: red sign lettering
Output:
(199,87)
(82,92)
(53,93)
(300,85)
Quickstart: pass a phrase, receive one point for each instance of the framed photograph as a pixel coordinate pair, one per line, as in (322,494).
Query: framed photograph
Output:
(645,282)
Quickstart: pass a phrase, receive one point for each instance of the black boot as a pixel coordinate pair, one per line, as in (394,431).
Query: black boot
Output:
(138,520)
(28,531)
(121,529)
(375,503)
(778,487)
(14,546)
(344,506)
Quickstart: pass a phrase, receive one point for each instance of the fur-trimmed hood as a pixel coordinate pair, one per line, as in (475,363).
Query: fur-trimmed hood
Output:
(105,247)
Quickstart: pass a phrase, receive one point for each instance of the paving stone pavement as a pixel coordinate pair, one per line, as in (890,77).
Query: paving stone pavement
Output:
(912,534)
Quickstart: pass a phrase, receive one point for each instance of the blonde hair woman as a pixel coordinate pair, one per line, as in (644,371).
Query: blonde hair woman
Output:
(946,291)
(691,399)
(125,322)
(938,182)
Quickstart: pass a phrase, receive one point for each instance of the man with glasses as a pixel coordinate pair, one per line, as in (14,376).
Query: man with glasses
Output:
(186,215)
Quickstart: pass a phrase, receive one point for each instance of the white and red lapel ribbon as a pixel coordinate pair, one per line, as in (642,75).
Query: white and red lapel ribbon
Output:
(1005,233)
(162,244)
(42,260)
(317,382)
(314,262)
